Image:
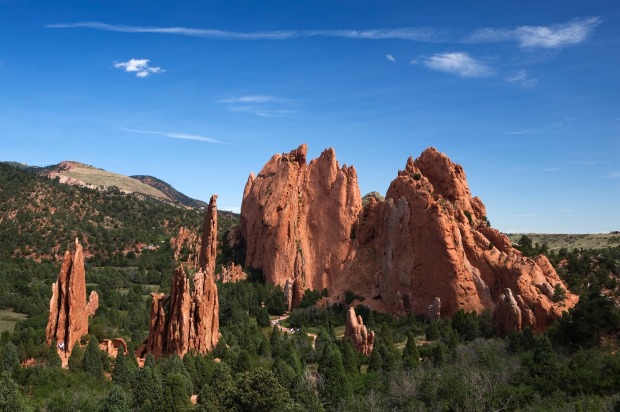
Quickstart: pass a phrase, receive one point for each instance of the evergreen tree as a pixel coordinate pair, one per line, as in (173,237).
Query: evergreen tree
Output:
(122,373)
(389,357)
(411,355)
(262,319)
(76,358)
(176,396)
(438,354)
(283,372)
(150,361)
(53,358)
(223,385)
(174,364)
(260,391)
(190,366)
(274,341)
(335,382)
(10,358)
(375,363)
(350,360)
(11,398)
(91,363)
(147,389)
(264,349)
(244,362)
(432,332)
(207,400)
(116,401)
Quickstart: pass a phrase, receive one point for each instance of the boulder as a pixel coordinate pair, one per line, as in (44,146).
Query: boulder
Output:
(361,338)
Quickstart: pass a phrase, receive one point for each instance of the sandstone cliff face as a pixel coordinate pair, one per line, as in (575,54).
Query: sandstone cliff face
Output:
(427,241)
(69,312)
(296,218)
(232,273)
(192,321)
(363,339)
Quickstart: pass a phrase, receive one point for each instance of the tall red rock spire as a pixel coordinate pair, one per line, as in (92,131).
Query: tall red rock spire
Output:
(192,323)
(69,312)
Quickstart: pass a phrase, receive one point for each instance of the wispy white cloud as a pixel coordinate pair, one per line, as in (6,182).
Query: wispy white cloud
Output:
(614,175)
(260,105)
(549,37)
(175,135)
(523,78)
(458,63)
(552,36)
(390,58)
(141,67)
(520,132)
(551,169)
(587,162)
(422,34)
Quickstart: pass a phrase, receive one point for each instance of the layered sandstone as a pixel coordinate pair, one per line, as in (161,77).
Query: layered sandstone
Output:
(355,331)
(187,320)
(296,218)
(428,241)
(69,311)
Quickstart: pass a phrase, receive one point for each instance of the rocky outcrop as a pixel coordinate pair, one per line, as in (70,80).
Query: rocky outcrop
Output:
(428,239)
(296,218)
(69,311)
(433,312)
(362,338)
(232,273)
(186,247)
(187,320)
(111,347)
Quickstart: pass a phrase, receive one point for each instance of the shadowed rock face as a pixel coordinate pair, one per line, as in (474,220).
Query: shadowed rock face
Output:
(69,312)
(192,323)
(428,239)
(363,339)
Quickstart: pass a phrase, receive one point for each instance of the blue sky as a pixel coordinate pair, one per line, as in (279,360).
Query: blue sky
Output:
(523,94)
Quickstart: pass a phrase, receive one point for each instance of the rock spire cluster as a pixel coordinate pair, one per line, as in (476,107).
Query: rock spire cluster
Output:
(69,311)
(426,248)
(187,320)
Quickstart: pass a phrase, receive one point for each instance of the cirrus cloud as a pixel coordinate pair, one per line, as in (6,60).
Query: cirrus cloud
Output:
(458,63)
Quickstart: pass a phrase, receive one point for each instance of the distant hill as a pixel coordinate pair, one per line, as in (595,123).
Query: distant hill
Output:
(571,241)
(169,191)
(40,217)
(79,174)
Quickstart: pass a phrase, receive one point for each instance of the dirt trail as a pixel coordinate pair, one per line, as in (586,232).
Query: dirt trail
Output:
(287,330)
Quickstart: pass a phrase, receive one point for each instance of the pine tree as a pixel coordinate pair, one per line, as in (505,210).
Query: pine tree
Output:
(10,357)
(262,319)
(122,373)
(116,401)
(350,359)
(264,349)
(375,363)
(11,398)
(432,332)
(176,396)
(76,358)
(207,400)
(174,364)
(244,362)
(260,391)
(147,389)
(91,363)
(411,355)
(336,385)
(53,358)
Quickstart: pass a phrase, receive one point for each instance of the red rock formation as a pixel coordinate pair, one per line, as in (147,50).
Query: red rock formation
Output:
(428,239)
(111,347)
(186,242)
(192,323)
(232,273)
(362,338)
(296,218)
(69,312)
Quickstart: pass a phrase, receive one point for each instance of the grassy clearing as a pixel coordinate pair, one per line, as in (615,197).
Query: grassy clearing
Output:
(572,241)
(8,319)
